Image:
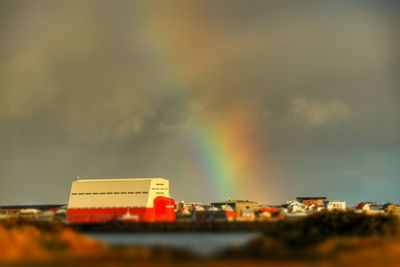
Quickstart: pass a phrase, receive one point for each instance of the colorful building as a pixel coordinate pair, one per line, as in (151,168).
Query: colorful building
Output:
(237,205)
(312,201)
(133,199)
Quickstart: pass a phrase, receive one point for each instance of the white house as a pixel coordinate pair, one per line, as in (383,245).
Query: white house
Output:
(335,205)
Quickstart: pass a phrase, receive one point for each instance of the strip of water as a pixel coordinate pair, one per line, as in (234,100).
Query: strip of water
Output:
(200,243)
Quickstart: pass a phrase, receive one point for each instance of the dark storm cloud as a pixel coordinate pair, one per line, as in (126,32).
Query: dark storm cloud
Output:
(101,89)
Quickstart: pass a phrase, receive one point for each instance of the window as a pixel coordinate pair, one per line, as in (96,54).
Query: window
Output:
(80,193)
(138,192)
(74,194)
(123,193)
(102,193)
(88,193)
(95,193)
(116,193)
(109,193)
(144,192)
(160,184)
(131,193)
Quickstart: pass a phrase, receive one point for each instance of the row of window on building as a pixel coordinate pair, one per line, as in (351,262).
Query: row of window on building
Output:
(110,193)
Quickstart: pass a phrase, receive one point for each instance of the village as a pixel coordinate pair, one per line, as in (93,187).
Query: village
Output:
(224,211)
(148,200)
(245,210)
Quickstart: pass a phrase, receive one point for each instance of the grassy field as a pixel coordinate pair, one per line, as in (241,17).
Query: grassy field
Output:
(322,239)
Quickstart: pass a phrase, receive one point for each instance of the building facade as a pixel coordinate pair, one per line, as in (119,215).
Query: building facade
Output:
(103,200)
(237,205)
(335,205)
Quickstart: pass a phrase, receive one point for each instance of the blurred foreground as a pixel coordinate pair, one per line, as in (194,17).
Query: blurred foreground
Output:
(322,239)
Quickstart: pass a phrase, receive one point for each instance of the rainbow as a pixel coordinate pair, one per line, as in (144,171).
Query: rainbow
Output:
(224,156)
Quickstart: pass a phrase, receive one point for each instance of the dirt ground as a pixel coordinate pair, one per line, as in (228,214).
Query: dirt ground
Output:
(35,243)
(341,253)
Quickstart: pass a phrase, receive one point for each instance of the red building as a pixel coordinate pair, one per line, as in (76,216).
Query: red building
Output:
(129,199)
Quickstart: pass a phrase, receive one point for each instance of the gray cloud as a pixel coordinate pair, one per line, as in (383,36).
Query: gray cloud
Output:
(100,89)
(315,114)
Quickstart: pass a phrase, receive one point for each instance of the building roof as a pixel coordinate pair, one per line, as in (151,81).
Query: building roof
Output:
(314,198)
(115,179)
(234,201)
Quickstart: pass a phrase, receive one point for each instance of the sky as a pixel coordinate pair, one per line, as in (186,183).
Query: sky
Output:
(258,100)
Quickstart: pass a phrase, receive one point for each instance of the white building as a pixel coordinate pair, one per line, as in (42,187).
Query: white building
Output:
(335,205)
(294,206)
